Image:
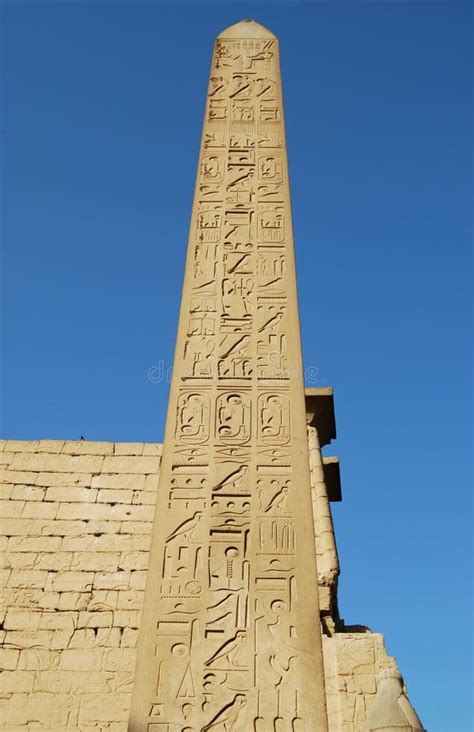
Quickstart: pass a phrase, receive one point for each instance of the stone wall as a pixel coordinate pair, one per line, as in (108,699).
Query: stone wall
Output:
(76,521)
(351,663)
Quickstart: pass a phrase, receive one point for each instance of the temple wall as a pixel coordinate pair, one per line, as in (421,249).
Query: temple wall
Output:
(352,662)
(76,520)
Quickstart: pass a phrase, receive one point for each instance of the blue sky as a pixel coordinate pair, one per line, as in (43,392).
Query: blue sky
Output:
(103,113)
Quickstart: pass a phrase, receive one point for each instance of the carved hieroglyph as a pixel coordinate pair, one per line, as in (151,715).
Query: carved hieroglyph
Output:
(230,637)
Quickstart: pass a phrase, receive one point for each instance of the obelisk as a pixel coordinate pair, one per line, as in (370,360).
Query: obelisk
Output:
(230,635)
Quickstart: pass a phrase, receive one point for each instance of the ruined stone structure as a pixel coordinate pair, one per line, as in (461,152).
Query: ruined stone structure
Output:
(239,624)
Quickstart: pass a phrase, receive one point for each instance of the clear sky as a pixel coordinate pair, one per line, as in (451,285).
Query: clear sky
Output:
(103,111)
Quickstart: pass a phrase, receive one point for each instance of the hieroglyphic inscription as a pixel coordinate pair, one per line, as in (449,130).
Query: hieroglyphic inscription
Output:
(225,642)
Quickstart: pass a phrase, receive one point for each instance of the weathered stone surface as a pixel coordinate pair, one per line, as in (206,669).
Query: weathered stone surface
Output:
(77,516)
(86,447)
(57,463)
(131,464)
(61,606)
(129,448)
(123,481)
(71,494)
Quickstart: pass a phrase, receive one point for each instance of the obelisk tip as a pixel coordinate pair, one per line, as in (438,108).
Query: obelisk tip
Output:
(247,28)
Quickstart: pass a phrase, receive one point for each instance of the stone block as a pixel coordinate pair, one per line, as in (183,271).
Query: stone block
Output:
(11,509)
(121,681)
(128,448)
(141,542)
(99,708)
(63,479)
(112,580)
(30,599)
(38,659)
(130,600)
(6,457)
(361,684)
(75,682)
(27,578)
(88,447)
(99,619)
(74,600)
(28,638)
(102,527)
(76,659)
(45,462)
(40,510)
(27,493)
(136,527)
(49,600)
(134,560)
(22,445)
(84,511)
(122,481)
(138,580)
(6,490)
(9,658)
(103,600)
(18,527)
(22,620)
(62,528)
(129,638)
(130,465)
(151,483)
(59,620)
(79,543)
(153,448)
(16,681)
(34,543)
(51,712)
(18,476)
(117,495)
(96,561)
(73,581)
(4,576)
(92,637)
(59,561)
(21,560)
(132,513)
(61,639)
(58,682)
(127,618)
(143,498)
(14,712)
(101,543)
(51,446)
(120,659)
(354,652)
(71,494)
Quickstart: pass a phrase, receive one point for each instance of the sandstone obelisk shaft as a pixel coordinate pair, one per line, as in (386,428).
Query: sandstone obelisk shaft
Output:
(230,635)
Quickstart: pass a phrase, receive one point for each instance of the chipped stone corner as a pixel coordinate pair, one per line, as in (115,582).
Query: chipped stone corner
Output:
(365,691)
